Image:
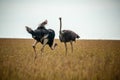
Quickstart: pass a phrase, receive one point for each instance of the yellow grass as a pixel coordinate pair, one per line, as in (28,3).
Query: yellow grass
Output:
(91,60)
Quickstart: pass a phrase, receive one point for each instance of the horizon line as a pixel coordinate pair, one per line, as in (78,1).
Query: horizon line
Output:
(58,38)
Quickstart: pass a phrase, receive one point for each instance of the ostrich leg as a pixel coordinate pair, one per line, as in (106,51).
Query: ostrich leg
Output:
(66,47)
(44,43)
(71,46)
(34,48)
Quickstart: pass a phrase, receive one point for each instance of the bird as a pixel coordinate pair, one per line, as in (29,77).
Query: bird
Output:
(42,35)
(67,36)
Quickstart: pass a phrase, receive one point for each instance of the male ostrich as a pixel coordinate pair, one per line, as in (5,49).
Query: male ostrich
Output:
(67,36)
(42,35)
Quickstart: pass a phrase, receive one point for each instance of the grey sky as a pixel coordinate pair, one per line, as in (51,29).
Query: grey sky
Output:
(91,19)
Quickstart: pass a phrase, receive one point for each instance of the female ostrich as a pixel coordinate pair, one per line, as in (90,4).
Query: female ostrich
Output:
(67,36)
(42,35)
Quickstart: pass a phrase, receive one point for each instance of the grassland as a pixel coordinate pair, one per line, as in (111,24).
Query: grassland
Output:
(91,60)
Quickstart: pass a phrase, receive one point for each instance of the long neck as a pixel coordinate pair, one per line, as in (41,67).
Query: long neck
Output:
(60,25)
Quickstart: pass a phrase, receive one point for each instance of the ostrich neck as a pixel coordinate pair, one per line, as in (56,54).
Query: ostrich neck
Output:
(60,26)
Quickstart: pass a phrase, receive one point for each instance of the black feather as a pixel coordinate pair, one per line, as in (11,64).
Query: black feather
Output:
(38,34)
(29,30)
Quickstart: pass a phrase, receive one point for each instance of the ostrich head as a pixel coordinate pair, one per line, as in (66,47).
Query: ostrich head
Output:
(60,18)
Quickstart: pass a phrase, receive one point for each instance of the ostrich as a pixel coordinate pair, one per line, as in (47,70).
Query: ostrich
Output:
(67,36)
(42,35)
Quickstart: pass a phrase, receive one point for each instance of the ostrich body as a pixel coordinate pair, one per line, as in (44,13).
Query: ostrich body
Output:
(67,36)
(42,35)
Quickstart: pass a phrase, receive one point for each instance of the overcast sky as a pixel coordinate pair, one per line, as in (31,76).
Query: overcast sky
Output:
(91,19)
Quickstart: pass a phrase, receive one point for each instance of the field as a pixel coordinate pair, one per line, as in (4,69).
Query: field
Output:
(91,60)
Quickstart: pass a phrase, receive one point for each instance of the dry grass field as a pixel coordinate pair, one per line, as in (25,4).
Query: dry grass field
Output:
(91,60)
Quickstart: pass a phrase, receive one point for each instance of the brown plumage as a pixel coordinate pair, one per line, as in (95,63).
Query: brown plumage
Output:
(67,36)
